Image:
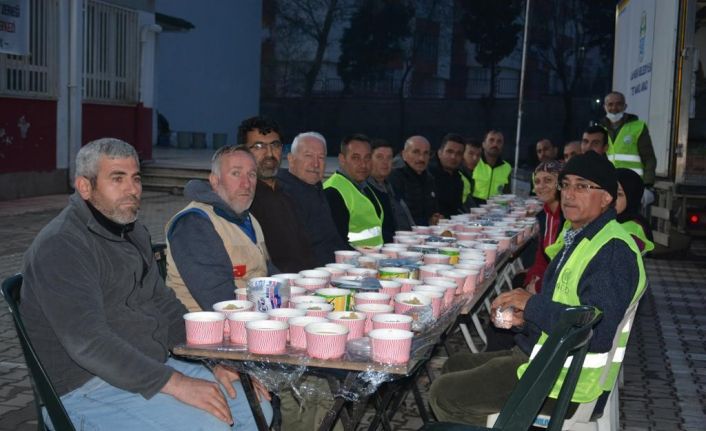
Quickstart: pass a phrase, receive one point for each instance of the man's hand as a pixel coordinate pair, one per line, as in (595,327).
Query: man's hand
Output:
(226,376)
(516,298)
(199,393)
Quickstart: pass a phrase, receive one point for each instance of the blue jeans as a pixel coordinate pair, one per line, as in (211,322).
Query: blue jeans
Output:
(99,406)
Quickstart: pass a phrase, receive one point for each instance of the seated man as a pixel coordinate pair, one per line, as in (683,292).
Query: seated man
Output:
(214,244)
(413,183)
(355,207)
(381,167)
(285,237)
(594,138)
(447,175)
(599,265)
(492,174)
(102,320)
(302,182)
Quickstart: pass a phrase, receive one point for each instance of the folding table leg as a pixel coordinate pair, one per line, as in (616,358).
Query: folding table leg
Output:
(254,402)
(467,337)
(479,328)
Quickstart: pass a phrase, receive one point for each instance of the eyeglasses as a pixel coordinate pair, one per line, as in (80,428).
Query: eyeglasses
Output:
(260,146)
(582,188)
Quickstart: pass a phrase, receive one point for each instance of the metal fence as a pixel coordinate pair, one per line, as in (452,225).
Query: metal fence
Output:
(34,75)
(110,54)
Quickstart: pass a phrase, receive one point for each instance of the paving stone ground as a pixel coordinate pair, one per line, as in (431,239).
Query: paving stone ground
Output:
(664,369)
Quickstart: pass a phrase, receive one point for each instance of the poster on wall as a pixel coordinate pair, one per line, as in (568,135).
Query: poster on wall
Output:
(14,27)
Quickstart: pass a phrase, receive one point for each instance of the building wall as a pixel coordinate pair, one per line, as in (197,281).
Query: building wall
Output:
(208,79)
(132,124)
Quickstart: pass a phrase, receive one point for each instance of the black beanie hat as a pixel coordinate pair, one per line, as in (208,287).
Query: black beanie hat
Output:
(593,167)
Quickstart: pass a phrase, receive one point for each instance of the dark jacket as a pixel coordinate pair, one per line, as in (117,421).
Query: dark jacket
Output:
(418,191)
(400,212)
(644,145)
(312,207)
(608,283)
(286,240)
(198,250)
(94,304)
(449,191)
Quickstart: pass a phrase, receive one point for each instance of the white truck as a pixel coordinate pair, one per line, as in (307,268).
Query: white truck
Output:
(659,64)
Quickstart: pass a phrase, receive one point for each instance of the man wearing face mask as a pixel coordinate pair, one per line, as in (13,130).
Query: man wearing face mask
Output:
(629,143)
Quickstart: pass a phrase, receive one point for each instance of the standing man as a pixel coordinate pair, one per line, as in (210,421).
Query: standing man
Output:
(492,174)
(599,265)
(546,150)
(381,167)
(447,177)
(214,241)
(594,139)
(286,242)
(355,208)
(629,142)
(302,182)
(414,184)
(102,321)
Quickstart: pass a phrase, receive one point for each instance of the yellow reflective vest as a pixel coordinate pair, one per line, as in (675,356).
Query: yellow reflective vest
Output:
(364,225)
(490,181)
(622,151)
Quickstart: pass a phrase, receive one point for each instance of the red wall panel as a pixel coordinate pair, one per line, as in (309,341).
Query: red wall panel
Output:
(36,151)
(132,124)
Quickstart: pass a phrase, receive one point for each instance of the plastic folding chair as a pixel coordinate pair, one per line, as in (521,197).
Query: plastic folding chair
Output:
(569,338)
(44,393)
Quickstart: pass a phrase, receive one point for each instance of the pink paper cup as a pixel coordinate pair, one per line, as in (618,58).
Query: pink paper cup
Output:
(390,346)
(204,327)
(237,321)
(230,307)
(458,277)
(392,321)
(409,301)
(371,298)
(311,284)
(436,258)
(371,310)
(346,256)
(363,272)
(325,340)
(407,284)
(267,337)
(353,320)
(316,309)
(297,336)
(390,287)
(316,273)
(284,314)
(287,278)
(437,298)
(241,294)
(295,291)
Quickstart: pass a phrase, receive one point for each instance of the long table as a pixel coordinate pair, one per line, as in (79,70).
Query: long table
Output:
(346,370)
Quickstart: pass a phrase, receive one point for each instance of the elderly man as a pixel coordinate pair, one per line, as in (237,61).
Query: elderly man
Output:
(599,265)
(492,174)
(285,237)
(214,241)
(571,149)
(447,177)
(102,320)
(594,139)
(629,142)
(546,150)
(302,182)
(355,207)
(414,184)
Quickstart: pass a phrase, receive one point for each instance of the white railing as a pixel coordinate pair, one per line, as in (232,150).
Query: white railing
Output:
(111,54)
(34,75)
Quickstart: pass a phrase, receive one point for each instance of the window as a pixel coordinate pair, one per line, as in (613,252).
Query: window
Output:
(111,54)
(34,75)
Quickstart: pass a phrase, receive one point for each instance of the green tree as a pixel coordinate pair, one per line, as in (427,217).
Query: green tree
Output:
(567,32)
(374,40)
(492,26)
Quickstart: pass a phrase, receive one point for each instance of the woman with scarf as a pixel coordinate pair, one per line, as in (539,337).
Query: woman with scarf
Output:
(628,205)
